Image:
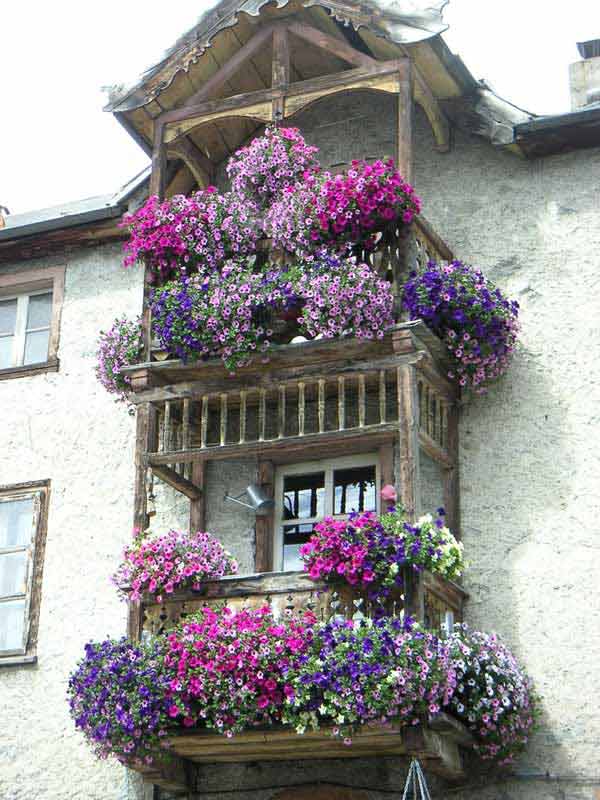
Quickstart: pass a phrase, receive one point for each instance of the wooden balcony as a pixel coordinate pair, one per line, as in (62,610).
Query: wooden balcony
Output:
(436,743)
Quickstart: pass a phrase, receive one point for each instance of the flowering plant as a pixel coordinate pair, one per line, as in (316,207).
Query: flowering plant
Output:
(494,697)
(428,544)
(190,234)
(170,561)
(224,314)
(343,298)
(228,670)
(272,162)
(477,323)
(119,347)
(335,211)
(116,697)
(369,671)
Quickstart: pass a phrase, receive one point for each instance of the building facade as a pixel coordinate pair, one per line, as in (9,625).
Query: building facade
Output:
(515,195)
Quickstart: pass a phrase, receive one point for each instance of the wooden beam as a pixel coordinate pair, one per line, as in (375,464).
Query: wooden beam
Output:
(435,115)
(159,161)
(280,69)
(333,45)
(201,167)
(198,504)
(216,81)
(264,528)
(451,476)
(405,100)
(177,481)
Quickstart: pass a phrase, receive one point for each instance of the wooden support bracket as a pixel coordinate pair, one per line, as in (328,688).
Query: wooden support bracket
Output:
(177,481)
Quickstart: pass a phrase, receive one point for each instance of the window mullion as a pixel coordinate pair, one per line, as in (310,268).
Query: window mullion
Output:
(20,329)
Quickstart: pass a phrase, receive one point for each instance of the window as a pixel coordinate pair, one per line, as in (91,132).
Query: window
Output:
(306,493)
(22,538)
(30,305)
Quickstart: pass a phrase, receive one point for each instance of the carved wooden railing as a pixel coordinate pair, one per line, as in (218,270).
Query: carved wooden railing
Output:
(434,601)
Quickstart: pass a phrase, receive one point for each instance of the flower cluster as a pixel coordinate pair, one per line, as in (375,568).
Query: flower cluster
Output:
(223,314)
(426,544)
(228,670)
(343,298)
(371,552)
(183,235)
(159,564)
(478,324)
(117,698)
(494,697)
(334,211)
(278,159)
(364,672)
(119,347)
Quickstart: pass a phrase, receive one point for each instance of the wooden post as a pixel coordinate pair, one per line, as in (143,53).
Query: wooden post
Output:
(408,428)
(159,162)
(405,108)
(451,476)
(280,77)
(146,440)
(198,506)
(264,524)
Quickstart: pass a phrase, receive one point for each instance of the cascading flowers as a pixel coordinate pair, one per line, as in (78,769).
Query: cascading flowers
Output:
(363,672)
(337,211)
(270,164)
(225,314)
(162,563)
(117,698)
(494,697)
(184,235)
(227,670)
(119,347)
(477,323)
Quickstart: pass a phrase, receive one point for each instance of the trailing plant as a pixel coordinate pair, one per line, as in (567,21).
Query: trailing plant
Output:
(270,164)
(160,564)
(343,298)
(119,347)
(226,314)
(361,672)
(494,696)
(228,670)
(117,698)
(477,323)
(371,551)
(337,211)
(184,235)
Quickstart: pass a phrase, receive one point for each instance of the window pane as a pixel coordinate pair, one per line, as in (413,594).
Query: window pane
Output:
(304,496)
(6,351)
(39,311)
(8,316)
(12,625)
(13,573)
(354,490)
(36,347)
(293,537)
(16,522)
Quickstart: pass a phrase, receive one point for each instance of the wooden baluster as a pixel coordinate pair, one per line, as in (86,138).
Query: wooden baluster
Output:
(421,400)
(341,403)
(301,408)
(443,423)
(281,412)
(361,401)
(432,410)
(223,420)
(185,434)
(262,400)
(382,397)
(166,431)
(321,405)
(204,421)
(243,394)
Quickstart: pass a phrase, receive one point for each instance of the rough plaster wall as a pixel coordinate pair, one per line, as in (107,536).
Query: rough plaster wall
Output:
(529,451)
(65,427)
(431,484)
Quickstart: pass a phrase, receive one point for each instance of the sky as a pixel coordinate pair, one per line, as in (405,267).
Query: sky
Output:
(56,143)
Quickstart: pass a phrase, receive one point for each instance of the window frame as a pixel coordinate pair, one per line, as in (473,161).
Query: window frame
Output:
(16,285)
(40,492)
(328,466)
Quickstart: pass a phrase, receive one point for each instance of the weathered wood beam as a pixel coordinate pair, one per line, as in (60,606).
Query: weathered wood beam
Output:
(405,113)
(280,69)
(201,167)
(331,44)
(437,119)
(178,482)
(216,81)
(159,161)
(264,526)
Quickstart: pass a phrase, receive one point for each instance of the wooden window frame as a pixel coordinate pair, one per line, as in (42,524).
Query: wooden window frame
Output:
(327,466)
(40,490)
(17,284)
